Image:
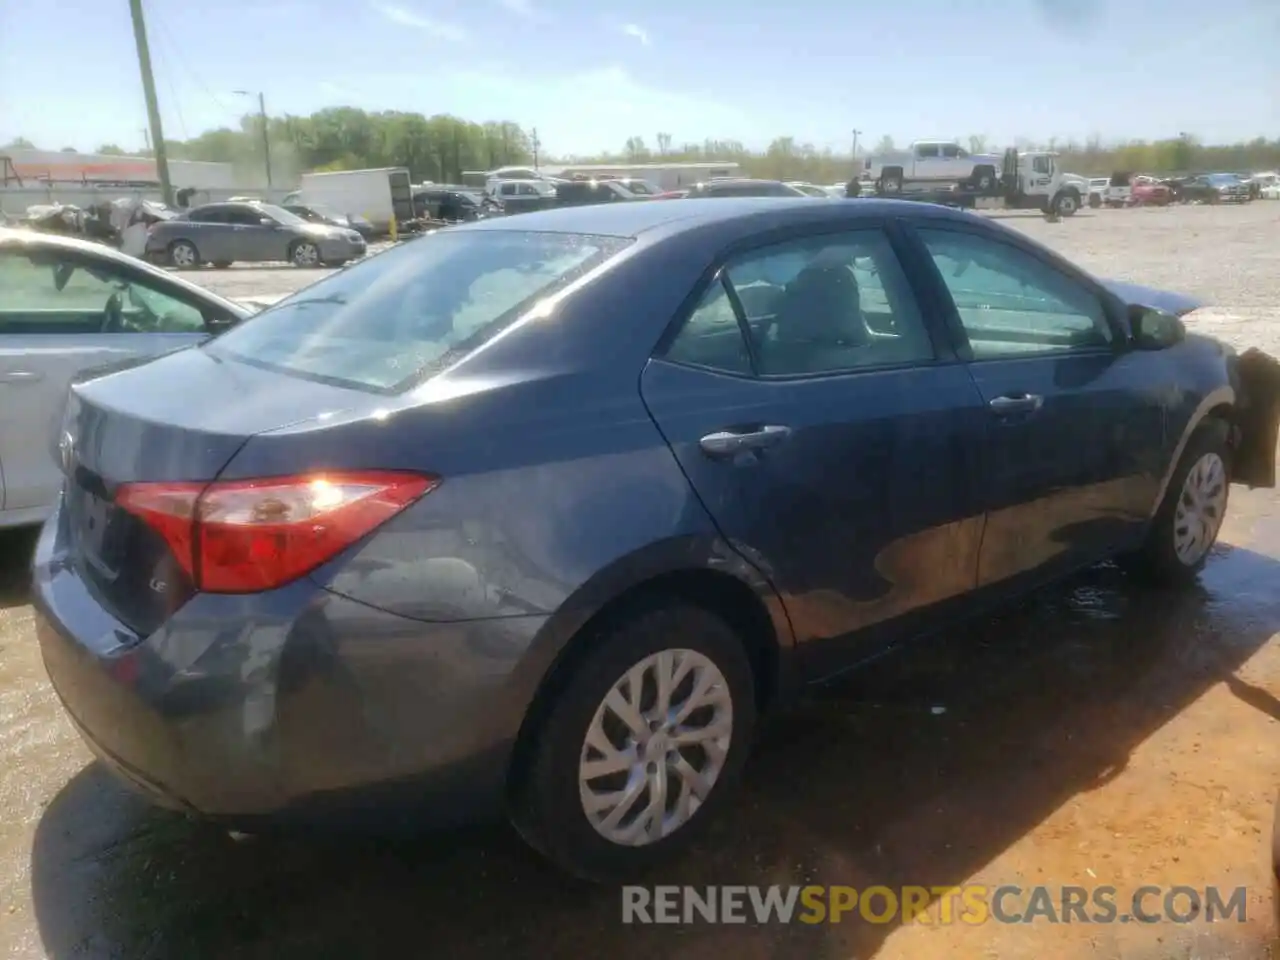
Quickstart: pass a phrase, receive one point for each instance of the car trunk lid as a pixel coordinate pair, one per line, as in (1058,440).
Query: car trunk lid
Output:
(180,418)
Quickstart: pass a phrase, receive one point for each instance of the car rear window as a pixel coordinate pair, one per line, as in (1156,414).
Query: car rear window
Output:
(395,319)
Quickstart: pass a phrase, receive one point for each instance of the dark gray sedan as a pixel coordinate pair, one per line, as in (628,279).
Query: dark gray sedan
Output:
(536,515)
(225,233)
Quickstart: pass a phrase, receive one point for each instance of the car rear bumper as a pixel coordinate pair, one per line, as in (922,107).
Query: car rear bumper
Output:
(294,705)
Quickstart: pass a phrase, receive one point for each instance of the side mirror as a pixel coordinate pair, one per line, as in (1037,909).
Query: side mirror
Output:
(1155,329)
(216,322)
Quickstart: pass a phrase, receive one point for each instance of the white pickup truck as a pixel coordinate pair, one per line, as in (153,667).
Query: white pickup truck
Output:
(932,162)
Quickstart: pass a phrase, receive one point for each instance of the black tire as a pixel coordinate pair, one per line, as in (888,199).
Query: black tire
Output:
(1066,203)
(983,179)
(1095,201)
(222,264)
(546,804)
(296,257)
(1157,561)
(890,183)
(184,255)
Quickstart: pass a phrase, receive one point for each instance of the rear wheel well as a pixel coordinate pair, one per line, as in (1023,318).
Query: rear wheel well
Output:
(719,593)
(1226,413)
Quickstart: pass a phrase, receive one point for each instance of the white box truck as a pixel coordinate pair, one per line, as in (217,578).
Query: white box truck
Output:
(377,195)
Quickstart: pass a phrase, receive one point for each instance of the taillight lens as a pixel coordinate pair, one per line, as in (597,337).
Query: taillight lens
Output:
(245,536)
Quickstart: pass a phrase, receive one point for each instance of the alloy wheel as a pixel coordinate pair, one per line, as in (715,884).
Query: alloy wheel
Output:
(1200,510)
(655,747)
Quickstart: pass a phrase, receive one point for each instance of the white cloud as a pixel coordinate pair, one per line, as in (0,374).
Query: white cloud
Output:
(637,31)
(411,18)
(595,110)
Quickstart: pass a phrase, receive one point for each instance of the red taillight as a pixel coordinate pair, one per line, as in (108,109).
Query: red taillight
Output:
(243,536)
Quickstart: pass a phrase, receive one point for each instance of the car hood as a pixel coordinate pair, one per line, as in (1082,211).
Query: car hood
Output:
(1136,295)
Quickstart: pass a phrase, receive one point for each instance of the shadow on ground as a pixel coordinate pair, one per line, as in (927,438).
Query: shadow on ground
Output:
(866,782)
(15,566)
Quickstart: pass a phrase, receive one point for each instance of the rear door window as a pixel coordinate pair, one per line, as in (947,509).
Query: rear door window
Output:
(397,318)
(208,215)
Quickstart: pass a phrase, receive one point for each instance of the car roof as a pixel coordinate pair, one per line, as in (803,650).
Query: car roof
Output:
(634,219)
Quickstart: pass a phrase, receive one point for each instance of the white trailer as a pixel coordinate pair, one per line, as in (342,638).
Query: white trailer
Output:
(378,194)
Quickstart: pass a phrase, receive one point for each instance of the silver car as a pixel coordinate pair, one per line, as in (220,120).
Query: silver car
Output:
(224,233)
(68,307)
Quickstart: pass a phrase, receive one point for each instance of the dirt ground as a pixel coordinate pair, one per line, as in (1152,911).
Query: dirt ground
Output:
(1095,734)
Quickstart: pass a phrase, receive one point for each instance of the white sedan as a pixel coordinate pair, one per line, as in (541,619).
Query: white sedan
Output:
(67,308)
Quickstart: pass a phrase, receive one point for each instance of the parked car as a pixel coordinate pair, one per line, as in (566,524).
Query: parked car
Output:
(1215,188)
(537,515)
(639,186)
(742,187)
(68,306)
(319,213)
(672,195)
(1149,192)
(1119,189)
(522,196)
(1098,190)
(576,193)
(225,233)
(1268,186)
(449,203)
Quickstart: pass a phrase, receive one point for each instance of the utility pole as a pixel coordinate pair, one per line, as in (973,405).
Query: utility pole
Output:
(535,143)
(856,134)
(266,140)
(153,105)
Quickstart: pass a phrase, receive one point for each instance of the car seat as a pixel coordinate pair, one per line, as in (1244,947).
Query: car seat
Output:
(819,314)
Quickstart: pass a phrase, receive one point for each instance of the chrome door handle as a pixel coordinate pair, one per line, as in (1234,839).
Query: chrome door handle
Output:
(1016,403)
(727,443)
(20,377)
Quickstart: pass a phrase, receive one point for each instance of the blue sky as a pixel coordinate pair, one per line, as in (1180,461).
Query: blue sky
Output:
(590,73)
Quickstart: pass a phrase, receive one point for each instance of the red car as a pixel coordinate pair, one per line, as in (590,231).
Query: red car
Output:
(1147,192)
(671,195)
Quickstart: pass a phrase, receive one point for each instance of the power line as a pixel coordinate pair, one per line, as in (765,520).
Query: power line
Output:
(172,41)
(168,76)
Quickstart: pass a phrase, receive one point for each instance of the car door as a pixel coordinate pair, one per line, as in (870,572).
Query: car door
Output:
(58,320)
(1075,432)
(829,434)
(954,162)
(212,234)
(255,241)
(928,162)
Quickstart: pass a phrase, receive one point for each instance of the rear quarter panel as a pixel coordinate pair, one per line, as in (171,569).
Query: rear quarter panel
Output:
(1197,381)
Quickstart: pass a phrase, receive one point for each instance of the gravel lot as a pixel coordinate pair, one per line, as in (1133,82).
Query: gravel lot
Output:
(1097,734)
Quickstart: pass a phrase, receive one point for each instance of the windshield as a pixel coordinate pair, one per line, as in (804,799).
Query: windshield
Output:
(389,322)
(325,211)
(281,215)
(1220,178)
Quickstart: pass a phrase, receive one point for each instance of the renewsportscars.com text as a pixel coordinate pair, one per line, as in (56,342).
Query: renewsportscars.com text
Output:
(971,904)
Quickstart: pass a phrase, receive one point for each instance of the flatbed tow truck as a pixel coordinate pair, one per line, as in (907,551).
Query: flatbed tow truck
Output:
(1027,181)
